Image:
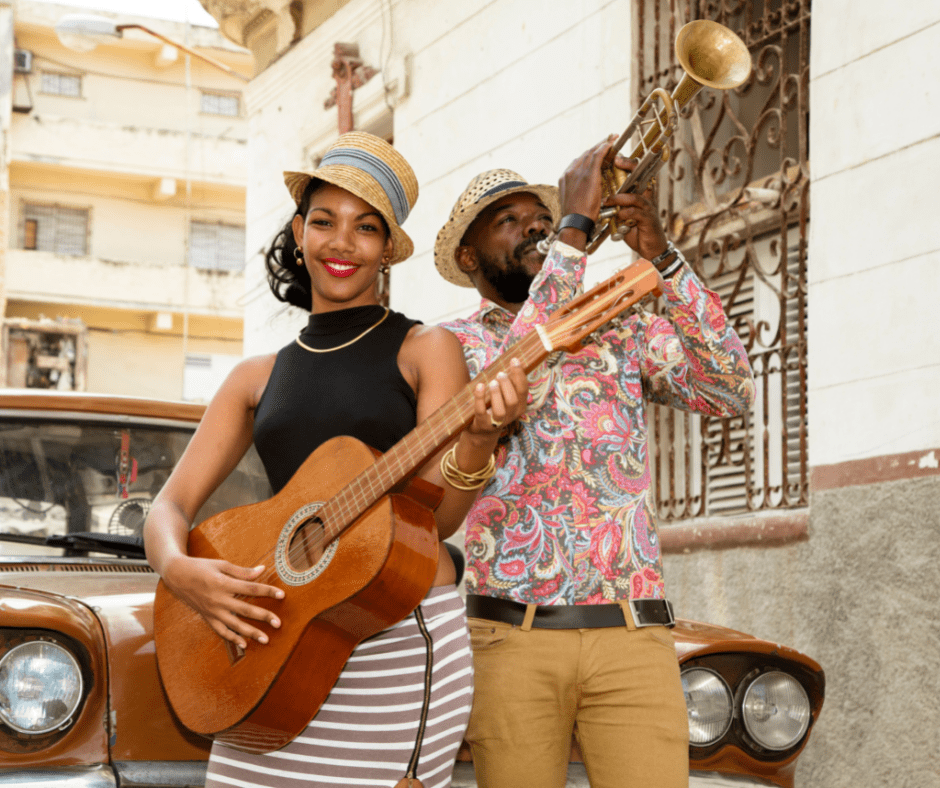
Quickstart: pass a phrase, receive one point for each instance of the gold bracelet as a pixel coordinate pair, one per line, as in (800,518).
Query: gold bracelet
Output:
(461,480)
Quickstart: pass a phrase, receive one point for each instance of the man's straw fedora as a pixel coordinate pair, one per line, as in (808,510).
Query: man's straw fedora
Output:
(485,189)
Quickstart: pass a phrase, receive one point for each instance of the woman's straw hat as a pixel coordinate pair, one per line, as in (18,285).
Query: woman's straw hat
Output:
(484,189)
(373,170)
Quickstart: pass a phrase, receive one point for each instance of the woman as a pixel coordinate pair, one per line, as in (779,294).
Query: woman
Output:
(357,369)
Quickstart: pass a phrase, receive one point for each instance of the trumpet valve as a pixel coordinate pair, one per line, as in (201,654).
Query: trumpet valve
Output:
(613,179)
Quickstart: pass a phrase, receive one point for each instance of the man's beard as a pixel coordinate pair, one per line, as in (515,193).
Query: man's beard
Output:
(511,280)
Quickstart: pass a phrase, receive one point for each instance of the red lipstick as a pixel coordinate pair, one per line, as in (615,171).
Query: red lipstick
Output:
(339,268)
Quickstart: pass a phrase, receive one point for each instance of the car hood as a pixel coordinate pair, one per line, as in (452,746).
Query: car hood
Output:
(695,639)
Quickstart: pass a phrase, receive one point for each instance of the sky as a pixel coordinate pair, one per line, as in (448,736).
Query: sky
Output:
(174,10)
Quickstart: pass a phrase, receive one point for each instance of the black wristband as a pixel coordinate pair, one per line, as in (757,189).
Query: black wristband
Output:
(578,221)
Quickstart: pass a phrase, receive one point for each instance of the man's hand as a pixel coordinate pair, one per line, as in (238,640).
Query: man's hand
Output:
(645,234)
(580,189)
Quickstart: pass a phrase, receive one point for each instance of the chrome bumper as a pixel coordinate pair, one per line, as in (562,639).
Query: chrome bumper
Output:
(127,774)
(64,777)
(577,778)
(715,780)
(161,774)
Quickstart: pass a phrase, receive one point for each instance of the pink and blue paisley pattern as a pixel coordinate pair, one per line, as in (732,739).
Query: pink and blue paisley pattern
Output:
(567,519)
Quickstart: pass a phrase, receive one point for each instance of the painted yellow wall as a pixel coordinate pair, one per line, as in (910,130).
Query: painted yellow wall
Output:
(136,125)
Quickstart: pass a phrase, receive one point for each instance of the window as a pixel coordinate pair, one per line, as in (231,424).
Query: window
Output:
(60,473)
(61,84)
(735,192)
(219,104)
(216,247)
(53,228)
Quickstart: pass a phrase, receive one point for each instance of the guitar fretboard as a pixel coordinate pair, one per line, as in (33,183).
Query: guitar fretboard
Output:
(407,456)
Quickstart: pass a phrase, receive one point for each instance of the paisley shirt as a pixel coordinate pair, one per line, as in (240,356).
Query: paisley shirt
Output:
(568,519)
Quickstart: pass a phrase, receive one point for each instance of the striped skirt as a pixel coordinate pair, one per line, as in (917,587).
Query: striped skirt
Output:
(366,732)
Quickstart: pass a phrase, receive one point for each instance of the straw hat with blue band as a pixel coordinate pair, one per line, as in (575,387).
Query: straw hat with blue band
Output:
(485,189)
(373,170)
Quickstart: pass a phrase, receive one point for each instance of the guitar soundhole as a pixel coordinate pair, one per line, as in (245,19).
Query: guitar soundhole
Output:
(301,554)
(306,546)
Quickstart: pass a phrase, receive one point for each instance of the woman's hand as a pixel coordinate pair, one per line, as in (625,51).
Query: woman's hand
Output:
(214,588)
(508,396)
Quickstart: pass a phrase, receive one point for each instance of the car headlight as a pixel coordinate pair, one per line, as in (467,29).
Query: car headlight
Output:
(40,687)
(776,710)
(708,701)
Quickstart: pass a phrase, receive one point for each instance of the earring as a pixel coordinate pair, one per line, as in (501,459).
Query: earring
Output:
(298,255)
(385,268)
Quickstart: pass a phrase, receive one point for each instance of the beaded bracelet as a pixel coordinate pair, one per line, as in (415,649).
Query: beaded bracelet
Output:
(461,480)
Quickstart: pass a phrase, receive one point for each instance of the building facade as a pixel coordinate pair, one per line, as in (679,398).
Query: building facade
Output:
(814,520)
(126,202)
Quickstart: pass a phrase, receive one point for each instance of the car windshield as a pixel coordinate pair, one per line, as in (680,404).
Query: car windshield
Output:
(69,475)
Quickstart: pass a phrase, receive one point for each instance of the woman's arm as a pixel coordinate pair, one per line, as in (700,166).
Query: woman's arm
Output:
(434,361)
(210,586)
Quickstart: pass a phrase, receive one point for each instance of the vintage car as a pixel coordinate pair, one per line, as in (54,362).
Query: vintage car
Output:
(81,702)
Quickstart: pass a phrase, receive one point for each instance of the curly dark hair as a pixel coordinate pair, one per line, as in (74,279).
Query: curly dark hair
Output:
(288,281)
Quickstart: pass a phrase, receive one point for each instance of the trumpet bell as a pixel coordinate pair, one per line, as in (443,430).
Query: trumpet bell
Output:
(713,55)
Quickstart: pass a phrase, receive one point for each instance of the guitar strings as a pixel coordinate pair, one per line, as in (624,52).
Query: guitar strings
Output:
(370,485)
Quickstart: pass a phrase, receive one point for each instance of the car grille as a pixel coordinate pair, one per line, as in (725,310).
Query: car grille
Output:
(135,568)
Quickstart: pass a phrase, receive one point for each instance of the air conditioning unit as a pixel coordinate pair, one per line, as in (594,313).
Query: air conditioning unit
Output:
(22,61)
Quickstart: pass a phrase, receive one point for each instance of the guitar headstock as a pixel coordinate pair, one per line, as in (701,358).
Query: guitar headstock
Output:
(568,326)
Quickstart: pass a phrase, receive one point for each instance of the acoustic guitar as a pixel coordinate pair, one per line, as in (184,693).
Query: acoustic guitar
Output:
(352,542)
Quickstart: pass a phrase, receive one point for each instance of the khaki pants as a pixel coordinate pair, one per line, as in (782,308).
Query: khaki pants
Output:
(617,689)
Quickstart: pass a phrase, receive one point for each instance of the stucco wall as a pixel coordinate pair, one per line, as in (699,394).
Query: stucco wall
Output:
(874,270)
(861,594)
(149,365)
(861,597)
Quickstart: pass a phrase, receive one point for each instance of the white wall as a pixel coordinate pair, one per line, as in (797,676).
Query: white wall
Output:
(546,82)
(874,370)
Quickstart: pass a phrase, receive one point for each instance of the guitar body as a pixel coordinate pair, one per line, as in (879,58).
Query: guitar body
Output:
(369,578)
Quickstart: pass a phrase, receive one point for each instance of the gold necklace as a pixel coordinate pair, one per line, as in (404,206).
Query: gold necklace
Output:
(345,344)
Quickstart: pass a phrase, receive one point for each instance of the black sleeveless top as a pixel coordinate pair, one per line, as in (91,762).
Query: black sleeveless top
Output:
(356,390)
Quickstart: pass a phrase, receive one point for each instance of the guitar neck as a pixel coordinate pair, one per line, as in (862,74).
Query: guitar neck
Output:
(565,329)
(407,456)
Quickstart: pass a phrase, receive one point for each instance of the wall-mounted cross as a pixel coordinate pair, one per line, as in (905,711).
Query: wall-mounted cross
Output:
(350,73)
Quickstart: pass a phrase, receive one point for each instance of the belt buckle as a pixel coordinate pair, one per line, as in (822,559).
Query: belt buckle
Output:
(639,619)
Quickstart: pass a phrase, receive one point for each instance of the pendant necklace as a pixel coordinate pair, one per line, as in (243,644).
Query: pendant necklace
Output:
(345,344)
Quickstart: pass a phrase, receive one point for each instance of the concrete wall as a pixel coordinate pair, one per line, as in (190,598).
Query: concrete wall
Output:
(541,89)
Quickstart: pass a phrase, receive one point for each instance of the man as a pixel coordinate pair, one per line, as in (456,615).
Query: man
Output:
(569,621)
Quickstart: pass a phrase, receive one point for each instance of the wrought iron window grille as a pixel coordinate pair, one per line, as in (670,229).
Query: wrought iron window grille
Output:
(735,198)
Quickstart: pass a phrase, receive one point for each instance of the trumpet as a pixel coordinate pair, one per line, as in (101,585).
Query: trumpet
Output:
(711,56)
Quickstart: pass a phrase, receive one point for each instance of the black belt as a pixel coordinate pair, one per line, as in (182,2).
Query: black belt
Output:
(646,613)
